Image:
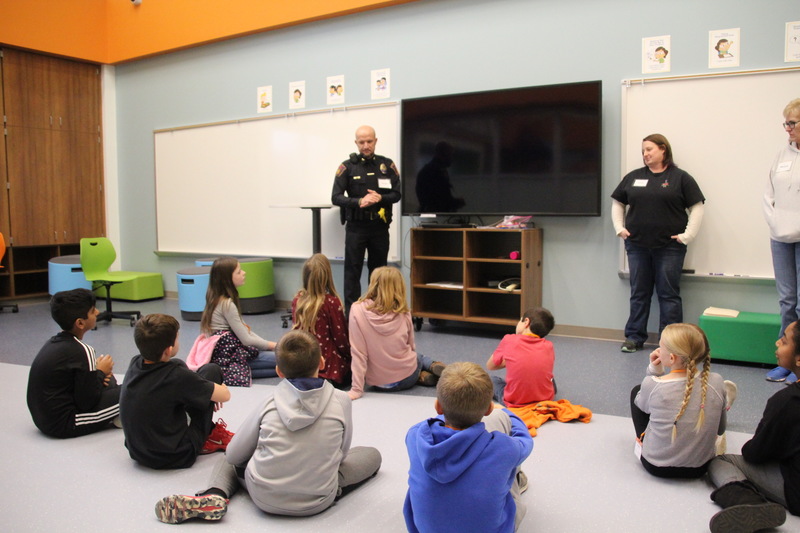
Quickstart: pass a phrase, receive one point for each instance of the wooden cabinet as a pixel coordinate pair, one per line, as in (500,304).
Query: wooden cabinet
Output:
(52,171)
(455,274)
(4,219)
(50,93)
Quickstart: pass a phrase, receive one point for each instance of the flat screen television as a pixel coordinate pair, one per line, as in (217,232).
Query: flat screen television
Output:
(523,151)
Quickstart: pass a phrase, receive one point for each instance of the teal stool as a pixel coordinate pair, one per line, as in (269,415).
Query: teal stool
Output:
(750,337)
(64,273)
(257,295)
(192,286)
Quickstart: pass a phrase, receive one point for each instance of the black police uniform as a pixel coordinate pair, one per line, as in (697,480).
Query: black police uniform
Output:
(367,228)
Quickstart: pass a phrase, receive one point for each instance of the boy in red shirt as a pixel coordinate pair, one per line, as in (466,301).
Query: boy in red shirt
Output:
(528,359)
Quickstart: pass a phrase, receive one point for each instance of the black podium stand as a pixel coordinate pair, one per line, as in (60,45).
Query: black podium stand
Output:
(316,225)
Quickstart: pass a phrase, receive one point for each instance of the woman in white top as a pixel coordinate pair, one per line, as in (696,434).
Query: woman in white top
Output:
(782,211)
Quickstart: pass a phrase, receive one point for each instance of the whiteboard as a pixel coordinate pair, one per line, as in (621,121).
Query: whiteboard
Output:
(725,131)
(236,187)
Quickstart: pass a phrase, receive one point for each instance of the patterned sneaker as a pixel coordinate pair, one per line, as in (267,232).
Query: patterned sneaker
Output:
(631,346)
(218,439)
(178,508)
(437,368)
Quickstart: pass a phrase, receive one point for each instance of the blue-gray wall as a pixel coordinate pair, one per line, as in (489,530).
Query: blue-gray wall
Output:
(447,46)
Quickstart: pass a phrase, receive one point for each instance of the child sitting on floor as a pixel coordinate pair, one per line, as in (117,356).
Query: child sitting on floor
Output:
(318,309)
(756,487)
(678,414)
(159,394)
(293,452)
(238,351)
(528,359)
(70,391)
(464,473)
(382,339)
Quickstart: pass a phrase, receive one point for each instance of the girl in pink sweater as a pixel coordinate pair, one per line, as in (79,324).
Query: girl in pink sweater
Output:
(382,339)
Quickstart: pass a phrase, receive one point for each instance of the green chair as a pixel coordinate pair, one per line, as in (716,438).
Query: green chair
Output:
(97,255)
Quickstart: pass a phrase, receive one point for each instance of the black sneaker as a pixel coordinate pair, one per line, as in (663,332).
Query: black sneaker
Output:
(631,346)
(747,518)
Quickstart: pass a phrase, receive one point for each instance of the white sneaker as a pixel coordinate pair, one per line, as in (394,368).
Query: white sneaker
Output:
(721,445)
(731,391)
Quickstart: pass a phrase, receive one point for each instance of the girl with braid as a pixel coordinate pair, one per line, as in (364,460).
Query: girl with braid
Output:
(678,413)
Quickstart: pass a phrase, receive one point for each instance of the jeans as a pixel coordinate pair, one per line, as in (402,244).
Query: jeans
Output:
(786,264)
(660,268)
(263,366)
(423,363)
(499,387)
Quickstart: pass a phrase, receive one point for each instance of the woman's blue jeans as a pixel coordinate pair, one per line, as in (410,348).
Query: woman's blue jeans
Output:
(650,268)
(786,264)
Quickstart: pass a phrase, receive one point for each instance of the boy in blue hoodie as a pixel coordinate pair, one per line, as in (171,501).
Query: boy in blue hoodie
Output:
(464,474)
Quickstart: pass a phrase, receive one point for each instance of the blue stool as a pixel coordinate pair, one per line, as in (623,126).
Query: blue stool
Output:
(65,273)
(192,286)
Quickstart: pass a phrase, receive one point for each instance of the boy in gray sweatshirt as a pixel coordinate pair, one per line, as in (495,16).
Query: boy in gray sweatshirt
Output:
(292,453)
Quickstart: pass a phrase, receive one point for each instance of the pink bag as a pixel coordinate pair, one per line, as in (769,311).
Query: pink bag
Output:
(201,351)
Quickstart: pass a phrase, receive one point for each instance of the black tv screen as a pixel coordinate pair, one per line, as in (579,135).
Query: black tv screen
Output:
(523,151)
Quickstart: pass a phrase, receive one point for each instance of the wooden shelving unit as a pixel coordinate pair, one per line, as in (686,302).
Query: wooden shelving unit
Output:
(471,259)
(26,272)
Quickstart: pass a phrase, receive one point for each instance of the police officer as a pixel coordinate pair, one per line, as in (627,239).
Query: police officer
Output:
(365,187)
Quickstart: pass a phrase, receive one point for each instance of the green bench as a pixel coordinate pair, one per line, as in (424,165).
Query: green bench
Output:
(749,337)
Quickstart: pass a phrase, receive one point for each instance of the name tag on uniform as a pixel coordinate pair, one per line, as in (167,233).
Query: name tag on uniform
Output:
(640,183)
(384,183)
(784,166)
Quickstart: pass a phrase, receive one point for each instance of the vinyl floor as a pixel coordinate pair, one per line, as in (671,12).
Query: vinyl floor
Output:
(583,477)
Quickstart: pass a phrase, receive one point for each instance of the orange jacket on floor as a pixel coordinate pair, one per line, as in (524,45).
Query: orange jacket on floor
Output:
(535,415)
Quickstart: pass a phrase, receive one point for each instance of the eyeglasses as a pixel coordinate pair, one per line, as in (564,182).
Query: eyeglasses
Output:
(790,124)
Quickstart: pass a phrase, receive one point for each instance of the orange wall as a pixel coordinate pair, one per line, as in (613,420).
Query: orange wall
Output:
(71,28)
(114,31)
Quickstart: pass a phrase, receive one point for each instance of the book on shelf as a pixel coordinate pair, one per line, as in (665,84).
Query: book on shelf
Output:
(719,311)
(446,284)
